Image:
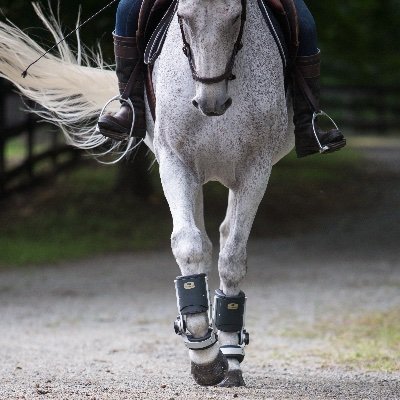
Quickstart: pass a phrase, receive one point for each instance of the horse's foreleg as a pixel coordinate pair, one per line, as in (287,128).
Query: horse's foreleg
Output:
(230,300)
(224,228)
(192,250)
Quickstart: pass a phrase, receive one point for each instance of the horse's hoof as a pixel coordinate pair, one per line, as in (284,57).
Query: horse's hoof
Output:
(212,373)
(233,378)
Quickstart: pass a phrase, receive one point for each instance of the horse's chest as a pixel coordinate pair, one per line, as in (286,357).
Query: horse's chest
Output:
(215,154)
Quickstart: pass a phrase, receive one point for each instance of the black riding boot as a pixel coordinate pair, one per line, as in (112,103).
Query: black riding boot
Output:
(128,61)
(306,103)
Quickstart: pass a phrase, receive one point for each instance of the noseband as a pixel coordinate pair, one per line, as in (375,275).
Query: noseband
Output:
(227,75)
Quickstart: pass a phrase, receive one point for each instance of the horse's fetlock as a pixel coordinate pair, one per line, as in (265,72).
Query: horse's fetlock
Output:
(193,301)
(197,324)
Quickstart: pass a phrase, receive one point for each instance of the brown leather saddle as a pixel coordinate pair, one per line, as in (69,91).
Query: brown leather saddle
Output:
(156,16)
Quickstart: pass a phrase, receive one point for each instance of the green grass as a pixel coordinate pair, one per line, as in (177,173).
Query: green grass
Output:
(369,342)
(15,149)
(80,214)
(316,169)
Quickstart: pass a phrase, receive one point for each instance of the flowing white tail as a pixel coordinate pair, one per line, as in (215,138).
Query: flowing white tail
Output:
(71,88)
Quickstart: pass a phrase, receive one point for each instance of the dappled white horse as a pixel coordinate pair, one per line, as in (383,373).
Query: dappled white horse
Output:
(230,131)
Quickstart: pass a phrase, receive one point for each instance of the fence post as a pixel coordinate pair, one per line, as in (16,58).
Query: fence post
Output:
(2,166)
(2,142)
(30,145)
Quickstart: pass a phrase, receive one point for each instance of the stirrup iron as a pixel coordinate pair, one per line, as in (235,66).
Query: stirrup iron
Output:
(316,114)
(121,99)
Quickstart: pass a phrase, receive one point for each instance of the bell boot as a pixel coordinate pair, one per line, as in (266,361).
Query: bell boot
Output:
(306,98)
(128,61)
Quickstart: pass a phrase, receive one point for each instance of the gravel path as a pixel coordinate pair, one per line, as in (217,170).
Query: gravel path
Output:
(102,328)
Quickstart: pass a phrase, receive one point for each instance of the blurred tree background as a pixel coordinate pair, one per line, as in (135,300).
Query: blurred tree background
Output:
(360,39)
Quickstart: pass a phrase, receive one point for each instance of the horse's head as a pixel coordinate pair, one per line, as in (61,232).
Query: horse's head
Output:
(212,32)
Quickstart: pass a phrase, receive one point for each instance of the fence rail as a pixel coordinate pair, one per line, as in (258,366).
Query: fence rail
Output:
(361,109)
(364,109)
(29,152)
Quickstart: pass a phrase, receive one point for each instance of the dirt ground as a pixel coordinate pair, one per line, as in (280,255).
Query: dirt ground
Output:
(102,328)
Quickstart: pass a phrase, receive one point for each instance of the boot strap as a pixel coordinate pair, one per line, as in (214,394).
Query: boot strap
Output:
(125,47)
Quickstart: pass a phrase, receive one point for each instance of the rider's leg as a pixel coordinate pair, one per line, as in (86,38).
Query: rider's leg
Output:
(307,76)
(128,59)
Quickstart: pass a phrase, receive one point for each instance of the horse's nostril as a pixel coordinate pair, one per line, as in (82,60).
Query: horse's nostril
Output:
(195,103)
(228,103)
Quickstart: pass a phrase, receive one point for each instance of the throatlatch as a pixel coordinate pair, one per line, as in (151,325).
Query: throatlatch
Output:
(229,317)
(193,297)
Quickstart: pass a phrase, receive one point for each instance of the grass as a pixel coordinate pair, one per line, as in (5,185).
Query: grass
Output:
(370,342)
(80,214)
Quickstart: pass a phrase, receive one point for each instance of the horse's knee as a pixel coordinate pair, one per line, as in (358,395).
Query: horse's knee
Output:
(192,250)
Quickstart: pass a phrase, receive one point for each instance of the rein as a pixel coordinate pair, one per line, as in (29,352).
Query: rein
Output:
(227,75)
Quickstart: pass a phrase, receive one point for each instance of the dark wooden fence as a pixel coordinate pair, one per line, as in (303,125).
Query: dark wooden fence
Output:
(364,109)
(359,109)
(29,151)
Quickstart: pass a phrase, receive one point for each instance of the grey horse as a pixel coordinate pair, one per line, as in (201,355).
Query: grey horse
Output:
(230,131)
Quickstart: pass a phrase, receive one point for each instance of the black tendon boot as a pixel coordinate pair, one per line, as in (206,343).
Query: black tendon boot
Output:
(310,139)
(129,69)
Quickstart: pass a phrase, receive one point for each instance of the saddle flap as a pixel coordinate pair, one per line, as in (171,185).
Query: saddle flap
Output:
(276,30)
(150,16)
(156,41)
(286,14)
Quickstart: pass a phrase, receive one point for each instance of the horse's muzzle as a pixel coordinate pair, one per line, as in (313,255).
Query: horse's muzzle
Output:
(212,109)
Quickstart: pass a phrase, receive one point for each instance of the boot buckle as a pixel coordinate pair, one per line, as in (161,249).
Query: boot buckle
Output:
(316,114)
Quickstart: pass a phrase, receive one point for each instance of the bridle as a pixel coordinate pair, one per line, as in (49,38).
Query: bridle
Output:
(227,75)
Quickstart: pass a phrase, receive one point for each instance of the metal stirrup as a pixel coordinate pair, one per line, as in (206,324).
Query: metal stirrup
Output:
(316,114)
(119,98)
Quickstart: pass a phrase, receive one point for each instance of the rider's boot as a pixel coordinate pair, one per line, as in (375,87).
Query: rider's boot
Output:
(129,69)
(309,137)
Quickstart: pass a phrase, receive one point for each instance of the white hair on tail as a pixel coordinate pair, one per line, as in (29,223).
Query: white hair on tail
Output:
(72,89)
